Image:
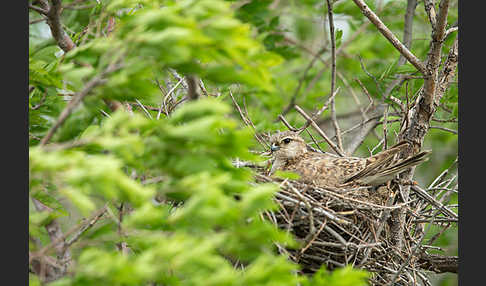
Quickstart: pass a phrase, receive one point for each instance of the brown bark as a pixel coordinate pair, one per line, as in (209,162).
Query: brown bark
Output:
(439,263)
(53,14)
(420,115)
(192,90)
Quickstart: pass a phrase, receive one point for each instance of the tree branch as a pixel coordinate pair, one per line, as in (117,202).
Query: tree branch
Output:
(337,130)
(77,98)
(407,30)
(434,55)
(390,36)
(448,72)
(439,263)
(54,21)
(420,115)
(319,130)
(192,87)
(55,234)
(320,111)
(53,14)
(38,9)
(430,10)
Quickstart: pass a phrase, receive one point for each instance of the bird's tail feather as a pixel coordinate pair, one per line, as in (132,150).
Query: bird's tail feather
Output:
(407,163)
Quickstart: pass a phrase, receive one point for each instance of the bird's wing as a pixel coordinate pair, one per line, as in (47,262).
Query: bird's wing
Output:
(385,174)
(406,163)
(378,162)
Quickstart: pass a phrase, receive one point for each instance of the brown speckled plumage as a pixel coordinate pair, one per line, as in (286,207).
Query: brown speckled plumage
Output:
(290,153)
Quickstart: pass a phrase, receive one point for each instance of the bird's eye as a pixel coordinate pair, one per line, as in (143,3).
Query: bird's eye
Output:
(286,140)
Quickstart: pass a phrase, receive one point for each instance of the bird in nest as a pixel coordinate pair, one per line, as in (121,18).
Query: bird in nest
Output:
(291,153)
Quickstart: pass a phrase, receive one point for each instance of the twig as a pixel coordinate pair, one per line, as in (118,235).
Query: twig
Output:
(385,130)
(203,88)
(162,105)
(65,145)
(167,96)
(301,81)
(148,107)
(444,129)
(407,261)
(249,123)
(80,7)
(85,227)
(434,202)
(143,108)
(450,31)
(366,92)
(290,127)
(444,120)
(371,76)
(312,228)
(313,238)
(44,95)
(57,240)
(320,111)
(315,142)
(319,130)
(77,98)
(341,48)
(337,130)
(449,70)
(37,20)
(38,9)
(317,210)
(82,227)
(366,127)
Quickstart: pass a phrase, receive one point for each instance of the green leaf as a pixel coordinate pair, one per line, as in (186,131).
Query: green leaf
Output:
(286,175)
(339,35)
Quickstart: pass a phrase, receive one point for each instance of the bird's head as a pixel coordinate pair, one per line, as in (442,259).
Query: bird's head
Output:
(287,145)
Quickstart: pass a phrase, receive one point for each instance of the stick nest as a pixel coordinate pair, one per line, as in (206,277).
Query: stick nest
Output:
(338,227)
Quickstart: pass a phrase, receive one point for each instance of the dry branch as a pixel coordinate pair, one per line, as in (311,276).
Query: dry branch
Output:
(439,263)
(337,130)
(330,100)
(390,36)
(319,130)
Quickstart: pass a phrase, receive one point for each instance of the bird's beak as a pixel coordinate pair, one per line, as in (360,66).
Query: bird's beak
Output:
(274,147)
